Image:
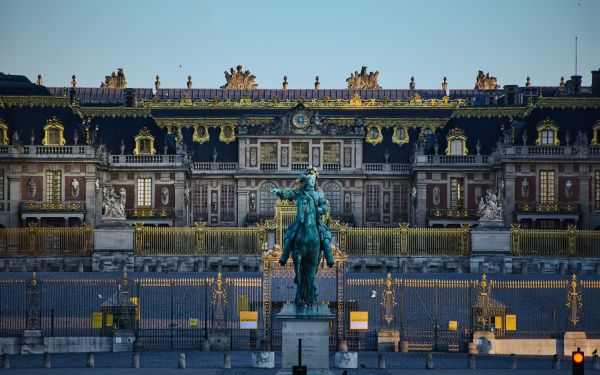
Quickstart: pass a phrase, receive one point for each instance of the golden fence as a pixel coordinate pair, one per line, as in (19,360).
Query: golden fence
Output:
(47,241)
(404,240)
(554,243)
(198,240)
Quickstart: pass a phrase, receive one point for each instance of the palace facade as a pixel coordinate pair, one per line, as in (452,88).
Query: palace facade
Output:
(172,157)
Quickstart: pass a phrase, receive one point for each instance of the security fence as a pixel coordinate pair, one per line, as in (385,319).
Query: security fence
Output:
(47,241)
(233,312)
(555,243)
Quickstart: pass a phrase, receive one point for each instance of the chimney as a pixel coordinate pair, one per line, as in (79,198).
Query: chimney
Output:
(596,82)
(511,94)
(129,98)
(576,84)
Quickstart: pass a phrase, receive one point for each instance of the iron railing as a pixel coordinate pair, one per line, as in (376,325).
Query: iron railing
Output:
(47,241)
(554,243)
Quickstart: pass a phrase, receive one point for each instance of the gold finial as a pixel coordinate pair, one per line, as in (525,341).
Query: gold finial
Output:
(445,84)
(34,279)
(285,83)
(157,82)
(73,81)
(317,83)
(528,82)
(40,81)
(189,82)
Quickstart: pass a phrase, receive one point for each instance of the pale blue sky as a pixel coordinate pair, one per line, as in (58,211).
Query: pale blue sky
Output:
(427,38)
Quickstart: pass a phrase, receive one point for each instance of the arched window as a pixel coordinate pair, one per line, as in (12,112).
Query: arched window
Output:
(144,143)
(457,142)
(53,133)
(547,133)
(267,199)
(333,193)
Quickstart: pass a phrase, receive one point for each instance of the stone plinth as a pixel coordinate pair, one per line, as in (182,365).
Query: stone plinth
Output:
(311,324)
(574,340)
(346,360)
(32,342)
(387,340)
(263,359)
(485,239)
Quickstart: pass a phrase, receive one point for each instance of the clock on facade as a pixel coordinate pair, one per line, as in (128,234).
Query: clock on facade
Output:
(300,120)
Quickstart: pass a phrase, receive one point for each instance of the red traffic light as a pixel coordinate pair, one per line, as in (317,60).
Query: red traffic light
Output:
(578,357)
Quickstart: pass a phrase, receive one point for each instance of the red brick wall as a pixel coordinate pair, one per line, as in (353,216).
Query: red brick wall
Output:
(39,188)
(562,190)
(532,188)
(157,196)
(443,196)
(68,190)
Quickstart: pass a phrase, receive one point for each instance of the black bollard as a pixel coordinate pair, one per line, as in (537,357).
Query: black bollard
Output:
(513,362)
(556,362)
(90,360)
(5,361)
(429,362)
(46,360)
(380,361)
(135,362)
(227,360)
(471,362)
(181,362)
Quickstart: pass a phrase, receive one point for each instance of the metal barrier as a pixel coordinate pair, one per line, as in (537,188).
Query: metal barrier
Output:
(198,240)
(47,241)
(554,243)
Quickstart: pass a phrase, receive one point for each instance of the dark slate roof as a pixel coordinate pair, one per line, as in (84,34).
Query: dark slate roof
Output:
(20,85)
(95,96)
(32,119)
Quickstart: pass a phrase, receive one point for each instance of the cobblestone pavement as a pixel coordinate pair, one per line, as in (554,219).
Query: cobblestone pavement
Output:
(164,363)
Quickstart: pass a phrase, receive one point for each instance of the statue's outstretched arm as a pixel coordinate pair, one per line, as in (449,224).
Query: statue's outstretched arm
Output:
(287,194)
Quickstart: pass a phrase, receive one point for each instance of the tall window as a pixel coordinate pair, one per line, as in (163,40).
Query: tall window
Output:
(457,193)
(145,146)
(333,193)
(53,186)
(53,136)
(201,202)
(227,203)
(547,186)
(1,184)
(267,199)
(597,186)
(268,152)
(400,202)
(299,152)
(144,192)
(547,137)
(331,153)
(373,203)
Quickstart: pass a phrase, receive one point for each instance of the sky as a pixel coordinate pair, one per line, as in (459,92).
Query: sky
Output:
(427,39)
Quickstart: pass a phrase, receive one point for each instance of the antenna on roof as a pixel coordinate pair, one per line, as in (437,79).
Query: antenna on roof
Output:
(575,55)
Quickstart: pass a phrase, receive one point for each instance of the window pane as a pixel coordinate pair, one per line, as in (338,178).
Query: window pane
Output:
(456,147)
(200,202)
(400,203)
(53,136)
(331,153)
(333,193)
(373,203)
(267,199)
(268,152)
(53,186)
(299,152)
(547,186)
(457,193)
(227,203)
(144,192)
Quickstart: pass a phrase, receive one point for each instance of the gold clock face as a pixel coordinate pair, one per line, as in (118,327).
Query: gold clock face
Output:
(300,120)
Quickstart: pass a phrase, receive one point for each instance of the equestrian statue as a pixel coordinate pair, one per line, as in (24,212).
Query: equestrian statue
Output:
(308,236)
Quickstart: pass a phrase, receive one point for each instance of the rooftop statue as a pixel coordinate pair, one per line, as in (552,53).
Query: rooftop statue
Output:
(308,236)
(485,82)
(115,81)
(363,81)
(239,80)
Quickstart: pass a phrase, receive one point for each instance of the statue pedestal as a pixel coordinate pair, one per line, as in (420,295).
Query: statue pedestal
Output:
(387,340)
(574,340)
(311,324)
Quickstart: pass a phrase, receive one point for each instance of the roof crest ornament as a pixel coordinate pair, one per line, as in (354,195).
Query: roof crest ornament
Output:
(239,80)
(363,80)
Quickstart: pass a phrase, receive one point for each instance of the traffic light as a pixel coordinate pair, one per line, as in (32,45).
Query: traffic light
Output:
(577,361)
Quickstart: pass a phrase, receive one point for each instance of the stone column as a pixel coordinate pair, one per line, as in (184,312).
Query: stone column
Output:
(241,153)
(358,152)
(90,199)
(14,190)
(242,207)
(179,204)
(509,200)
(421,204)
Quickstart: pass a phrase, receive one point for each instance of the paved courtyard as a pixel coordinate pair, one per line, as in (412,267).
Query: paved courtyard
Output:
(211,363)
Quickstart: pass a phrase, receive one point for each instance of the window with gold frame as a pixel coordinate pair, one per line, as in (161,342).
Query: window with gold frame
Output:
(400,135)
(54,133)
(596,133)
(374,134)
(546,186)
(144,192)
(300,152)
(200,134)
(227,134)
(457,193)
(3,132)
(331,153)
(268,152)
(144,143)
(53,186)
(457,142)
(547,133)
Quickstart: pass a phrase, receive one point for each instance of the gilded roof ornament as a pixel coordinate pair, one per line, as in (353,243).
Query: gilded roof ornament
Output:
(486,82)
(285,83)
(189,83)
(73,81)
(157,82)
(412,85)
(363,80)
(317,83)
(239,80)
(115,81)
(445,84)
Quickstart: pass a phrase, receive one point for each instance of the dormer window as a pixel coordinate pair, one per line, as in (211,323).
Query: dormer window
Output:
(54,133)
(144,143)
(457,142)
(3,132)
(547,131)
